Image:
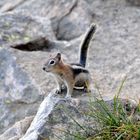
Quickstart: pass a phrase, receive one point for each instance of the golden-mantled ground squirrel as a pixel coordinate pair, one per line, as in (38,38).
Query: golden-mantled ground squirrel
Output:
(71,74)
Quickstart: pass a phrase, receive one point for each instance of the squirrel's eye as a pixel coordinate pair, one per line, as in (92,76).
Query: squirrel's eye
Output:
(52,62)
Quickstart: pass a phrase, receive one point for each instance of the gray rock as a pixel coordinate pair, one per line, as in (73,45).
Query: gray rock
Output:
(17,130)
(134,2)
(58,117)
(8,5)
(65,16)
(12,112)
(15,84)
(77,24)
(19,95)
(61,118)
(2,3)
(17,28)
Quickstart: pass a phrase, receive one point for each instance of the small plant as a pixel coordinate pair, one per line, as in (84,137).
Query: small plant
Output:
(116,121)
(116,124)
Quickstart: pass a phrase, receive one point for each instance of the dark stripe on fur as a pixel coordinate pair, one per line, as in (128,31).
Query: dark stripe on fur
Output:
(77,71)
(85,44)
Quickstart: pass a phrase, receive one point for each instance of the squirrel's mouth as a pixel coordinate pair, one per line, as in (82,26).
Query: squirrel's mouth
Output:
(45,69)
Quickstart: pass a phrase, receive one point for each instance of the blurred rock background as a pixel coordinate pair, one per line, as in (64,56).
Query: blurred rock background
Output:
(31,30)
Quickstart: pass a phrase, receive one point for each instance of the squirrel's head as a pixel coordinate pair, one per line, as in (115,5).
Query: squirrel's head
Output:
(52,64)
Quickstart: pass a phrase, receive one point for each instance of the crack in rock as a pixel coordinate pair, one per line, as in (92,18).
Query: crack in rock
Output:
(68,13)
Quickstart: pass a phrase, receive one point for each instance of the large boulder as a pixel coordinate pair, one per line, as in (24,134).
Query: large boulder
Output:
(57,117)
(65,16)
(19,95)
(67,119)
(17,28)
(15,84)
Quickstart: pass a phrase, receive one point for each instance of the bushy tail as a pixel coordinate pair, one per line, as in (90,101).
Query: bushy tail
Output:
(85,44)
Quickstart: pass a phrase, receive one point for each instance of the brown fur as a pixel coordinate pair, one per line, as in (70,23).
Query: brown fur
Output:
(63,74)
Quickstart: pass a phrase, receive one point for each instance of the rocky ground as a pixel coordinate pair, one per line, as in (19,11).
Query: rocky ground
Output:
(31,30)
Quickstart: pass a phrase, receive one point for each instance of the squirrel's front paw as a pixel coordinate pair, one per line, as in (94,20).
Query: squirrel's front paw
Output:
(68,97)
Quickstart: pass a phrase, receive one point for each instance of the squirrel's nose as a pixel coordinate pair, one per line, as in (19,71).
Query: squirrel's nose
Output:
(43,68)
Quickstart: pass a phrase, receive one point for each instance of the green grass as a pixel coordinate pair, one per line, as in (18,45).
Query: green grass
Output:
(115,122)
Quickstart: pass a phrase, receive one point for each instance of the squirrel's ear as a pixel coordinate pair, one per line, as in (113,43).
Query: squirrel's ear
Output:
(58,56)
